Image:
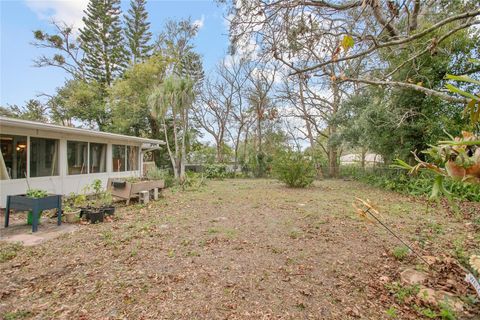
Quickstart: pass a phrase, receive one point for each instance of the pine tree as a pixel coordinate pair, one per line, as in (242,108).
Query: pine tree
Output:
(137,31)
(102,41)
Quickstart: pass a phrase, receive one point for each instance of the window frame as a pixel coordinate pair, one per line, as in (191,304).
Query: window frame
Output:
(29,152)
(88,157)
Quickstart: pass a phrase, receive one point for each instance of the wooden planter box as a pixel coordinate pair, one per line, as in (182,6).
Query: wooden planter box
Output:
(36,205)
(127,190)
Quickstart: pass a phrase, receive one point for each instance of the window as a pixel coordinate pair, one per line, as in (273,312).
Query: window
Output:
(77,157)
(13,161)
(98,157)
(132,158)
(43,157)
(118,158)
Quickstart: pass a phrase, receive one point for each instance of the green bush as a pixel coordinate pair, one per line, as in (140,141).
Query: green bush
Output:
(215,171)
(193,181)
(400,181)
(160,174)
(294,169)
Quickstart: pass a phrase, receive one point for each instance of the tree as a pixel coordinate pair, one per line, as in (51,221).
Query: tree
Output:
(262,79)
(369,30)
(137,31)
(129,98)
(33,110)
(175,42)
(83,101)
(102,41)
(173,99)
(218,97)
(69,57)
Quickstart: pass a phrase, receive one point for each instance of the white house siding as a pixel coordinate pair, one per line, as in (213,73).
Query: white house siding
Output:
(64,183)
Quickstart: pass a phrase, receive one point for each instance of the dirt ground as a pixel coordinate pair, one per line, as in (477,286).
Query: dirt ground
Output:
(239,249)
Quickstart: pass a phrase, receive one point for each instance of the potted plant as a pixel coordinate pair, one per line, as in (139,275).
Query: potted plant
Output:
(106,201)
(93,210)
(71,214)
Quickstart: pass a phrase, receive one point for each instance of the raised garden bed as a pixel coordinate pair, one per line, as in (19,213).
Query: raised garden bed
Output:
(23,202)
(125,189)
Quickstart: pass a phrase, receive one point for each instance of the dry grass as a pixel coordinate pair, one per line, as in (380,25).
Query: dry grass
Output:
(237,249)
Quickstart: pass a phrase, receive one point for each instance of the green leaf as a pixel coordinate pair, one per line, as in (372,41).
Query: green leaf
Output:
(454,89)
(461,78)
(474,61)
(400,164)
(438,189)
(347,42)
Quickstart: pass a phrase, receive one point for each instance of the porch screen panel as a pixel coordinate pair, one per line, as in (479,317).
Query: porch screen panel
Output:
(13,157)
(98,157)
(43,157)
(118,158)
(77,156)
(132,158)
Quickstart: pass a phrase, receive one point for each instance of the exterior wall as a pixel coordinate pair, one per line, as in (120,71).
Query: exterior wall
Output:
(64,183)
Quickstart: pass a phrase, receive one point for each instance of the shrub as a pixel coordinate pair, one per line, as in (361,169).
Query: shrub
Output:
(399,181)
(215,171)
(160,174)
(193,181)
(294,169)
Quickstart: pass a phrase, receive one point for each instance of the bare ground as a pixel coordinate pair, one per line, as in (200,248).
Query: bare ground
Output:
(238,249)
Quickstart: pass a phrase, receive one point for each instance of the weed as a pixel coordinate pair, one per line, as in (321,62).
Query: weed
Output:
(391,313)
(230,233)
(134,252)
(276,250)
(212,231)
(107,236)
(171,253)
(459,252)
(400,252)
(9,252)
(436,228)
(192,254)
(186,242)
(295,234)
(318,223)
(401,293)
(426,312)
(446,312)
(22,314)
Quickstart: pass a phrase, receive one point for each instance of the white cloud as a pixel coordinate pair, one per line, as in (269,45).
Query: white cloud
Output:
(68,11)
(199,22)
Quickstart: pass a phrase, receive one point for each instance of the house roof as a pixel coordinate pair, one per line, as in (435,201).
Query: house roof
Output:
(19,123)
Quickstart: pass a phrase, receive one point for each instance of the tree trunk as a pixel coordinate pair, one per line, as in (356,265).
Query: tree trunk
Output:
(173,160)
(364,152)
(332,161)
(332,148)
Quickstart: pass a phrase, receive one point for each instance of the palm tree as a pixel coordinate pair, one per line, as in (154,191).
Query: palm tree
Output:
(173,100)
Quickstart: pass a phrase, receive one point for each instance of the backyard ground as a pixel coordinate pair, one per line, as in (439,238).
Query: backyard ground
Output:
(244,249)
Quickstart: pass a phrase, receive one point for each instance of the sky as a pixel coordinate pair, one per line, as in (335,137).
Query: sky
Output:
(20,81)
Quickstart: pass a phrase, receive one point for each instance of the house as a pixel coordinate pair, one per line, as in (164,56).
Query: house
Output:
(62,159)
(371,159)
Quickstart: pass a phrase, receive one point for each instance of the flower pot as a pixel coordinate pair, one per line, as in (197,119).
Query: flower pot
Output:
(109,211)
(469,174)
(454,170)
(95,215)
(71,217)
